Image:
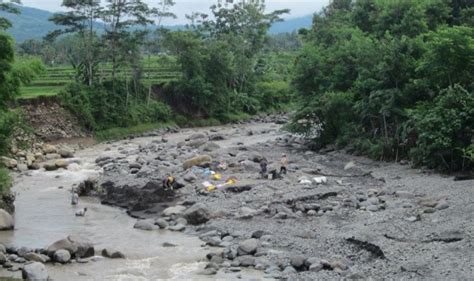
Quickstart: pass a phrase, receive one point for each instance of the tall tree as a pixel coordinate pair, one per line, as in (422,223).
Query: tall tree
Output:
(119,16)
(81,19)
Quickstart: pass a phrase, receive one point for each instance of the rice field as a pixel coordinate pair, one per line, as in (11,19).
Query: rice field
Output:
(155,70)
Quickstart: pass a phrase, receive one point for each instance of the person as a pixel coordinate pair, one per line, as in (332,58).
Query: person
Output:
(74,198)
(81,212)
(168,182)
(263,167)
(284,164)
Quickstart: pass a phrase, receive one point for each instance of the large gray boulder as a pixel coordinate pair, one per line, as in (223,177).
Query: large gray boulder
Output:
(6,220)
(66,152)
(85,249)
(62,256)
(63,244)
(76,246)
(248,246)
(197,214)
(35,271)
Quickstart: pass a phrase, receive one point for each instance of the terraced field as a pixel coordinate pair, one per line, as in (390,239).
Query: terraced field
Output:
(155,70)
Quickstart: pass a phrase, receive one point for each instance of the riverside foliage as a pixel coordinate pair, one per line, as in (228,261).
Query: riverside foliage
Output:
(390,79)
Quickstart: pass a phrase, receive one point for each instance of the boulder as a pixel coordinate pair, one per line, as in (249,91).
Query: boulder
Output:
(197,214)
(297,261)
(162,223)
(175,210)
(63,244)
(196,161)
(196,136)
(248,246)
(147,225)
(52,156)
(48,148)
(6,220)
(36,257)
(197,143)
(61,163)
(66,152)
(9,162)
(85,249)
(112,254)
(35,271)
(50,167)
(22,167)
(216,137)
(62,256)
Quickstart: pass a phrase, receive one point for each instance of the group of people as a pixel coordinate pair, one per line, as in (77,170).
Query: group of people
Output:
(274,174)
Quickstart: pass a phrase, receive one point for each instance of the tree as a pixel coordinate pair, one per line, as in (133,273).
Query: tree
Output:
(9,8)
(119,16)
(81,19)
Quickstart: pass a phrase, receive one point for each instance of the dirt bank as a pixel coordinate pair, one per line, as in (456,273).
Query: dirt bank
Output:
(370,220)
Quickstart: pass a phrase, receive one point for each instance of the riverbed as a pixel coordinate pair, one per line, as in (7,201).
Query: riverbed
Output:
(44,214)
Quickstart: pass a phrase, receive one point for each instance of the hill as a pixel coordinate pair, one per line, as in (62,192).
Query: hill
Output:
(291,25)
(33,23)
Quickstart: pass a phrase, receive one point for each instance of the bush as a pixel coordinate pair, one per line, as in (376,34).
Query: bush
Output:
(5,181)
(326,118)
(273,95)
(445,130)
(8,119)
(105,106)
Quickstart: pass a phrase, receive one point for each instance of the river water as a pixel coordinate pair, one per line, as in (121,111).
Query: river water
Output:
(44,215)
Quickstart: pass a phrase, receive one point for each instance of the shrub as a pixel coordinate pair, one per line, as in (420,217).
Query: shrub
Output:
(105,106)
(445,129)
(8,119)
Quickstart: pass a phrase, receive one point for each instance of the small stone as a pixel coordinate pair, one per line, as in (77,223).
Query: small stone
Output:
(442,205)
(316,267)
(169,245)
(339,265)
(178,227)
(311,213)
(429,210)
(289,270)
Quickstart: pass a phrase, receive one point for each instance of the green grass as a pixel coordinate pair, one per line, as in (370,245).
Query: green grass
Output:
(5,181)
(120,133)
(29,92)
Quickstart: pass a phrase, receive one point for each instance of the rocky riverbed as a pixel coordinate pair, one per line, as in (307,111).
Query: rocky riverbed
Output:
(332,216)
(369,220)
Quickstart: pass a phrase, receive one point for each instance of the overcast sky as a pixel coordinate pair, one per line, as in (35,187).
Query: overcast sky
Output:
(183,7)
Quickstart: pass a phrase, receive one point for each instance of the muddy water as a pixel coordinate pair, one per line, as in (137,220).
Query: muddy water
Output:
(44,214)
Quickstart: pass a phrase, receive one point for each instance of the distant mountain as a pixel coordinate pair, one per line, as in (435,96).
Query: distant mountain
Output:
(33,23)
(292,24)
(30,24)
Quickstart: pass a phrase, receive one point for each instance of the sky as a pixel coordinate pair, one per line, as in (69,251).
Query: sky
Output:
(183,7)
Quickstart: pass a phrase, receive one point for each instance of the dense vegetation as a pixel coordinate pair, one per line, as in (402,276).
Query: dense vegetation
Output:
(221,69)
(391,79)
(12,75)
